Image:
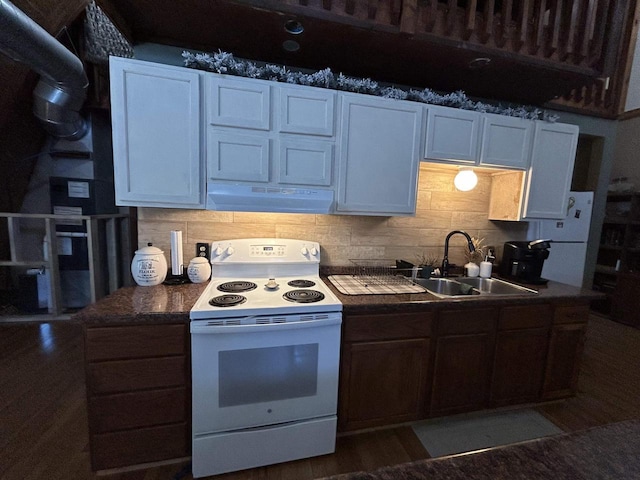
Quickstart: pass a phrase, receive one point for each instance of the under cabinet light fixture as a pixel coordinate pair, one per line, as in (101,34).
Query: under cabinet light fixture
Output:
(466,179)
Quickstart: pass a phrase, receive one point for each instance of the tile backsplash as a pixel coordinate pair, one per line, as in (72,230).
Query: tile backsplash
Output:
(440,209)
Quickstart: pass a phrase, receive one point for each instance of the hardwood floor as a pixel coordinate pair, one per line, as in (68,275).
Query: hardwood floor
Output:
(43,432)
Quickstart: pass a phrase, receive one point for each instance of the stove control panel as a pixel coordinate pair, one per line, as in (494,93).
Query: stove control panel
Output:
(268,251)
(262,250)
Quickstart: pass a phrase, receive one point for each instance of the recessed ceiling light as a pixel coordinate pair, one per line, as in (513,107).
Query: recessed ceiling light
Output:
(479,62)
(291,46)
(294,27)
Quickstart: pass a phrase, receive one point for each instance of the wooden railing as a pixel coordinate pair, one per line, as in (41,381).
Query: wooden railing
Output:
(586,36)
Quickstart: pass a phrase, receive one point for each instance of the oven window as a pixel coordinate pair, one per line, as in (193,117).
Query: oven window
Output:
(257,375)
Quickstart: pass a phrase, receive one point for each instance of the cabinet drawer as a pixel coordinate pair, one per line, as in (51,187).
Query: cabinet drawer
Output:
(134,410)
(111,343)
(467,321)
(529,316)
(571,314)
(131,375)
(118,449)
(387,326)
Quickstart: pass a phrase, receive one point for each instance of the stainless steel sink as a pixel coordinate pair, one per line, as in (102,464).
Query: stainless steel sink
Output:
(446,287)
(469,286)
(495,286)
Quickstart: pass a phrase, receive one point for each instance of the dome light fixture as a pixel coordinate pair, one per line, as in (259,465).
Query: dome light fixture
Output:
(293,27)
(466,179)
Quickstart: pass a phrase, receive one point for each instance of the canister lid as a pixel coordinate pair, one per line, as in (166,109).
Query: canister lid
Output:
(149,250)
(197,260)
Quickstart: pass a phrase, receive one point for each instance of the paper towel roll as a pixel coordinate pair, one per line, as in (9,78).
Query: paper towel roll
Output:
(176,252)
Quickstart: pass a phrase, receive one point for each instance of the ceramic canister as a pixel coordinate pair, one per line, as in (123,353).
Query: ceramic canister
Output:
(149,266)
(199,270)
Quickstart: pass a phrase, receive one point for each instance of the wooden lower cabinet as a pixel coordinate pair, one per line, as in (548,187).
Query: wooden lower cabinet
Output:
(520,356)
(138,394)
(384,369)
(462,360)
(565,351)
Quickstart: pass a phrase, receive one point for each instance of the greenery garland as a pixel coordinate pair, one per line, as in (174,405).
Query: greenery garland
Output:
(225,63)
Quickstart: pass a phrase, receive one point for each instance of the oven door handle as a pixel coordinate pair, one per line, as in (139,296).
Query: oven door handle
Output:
(204,328)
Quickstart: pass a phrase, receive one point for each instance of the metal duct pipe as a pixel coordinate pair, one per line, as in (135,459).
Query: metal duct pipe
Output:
(62,88)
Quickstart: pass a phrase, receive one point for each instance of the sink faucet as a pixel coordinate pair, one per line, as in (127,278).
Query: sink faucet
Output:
(445,259)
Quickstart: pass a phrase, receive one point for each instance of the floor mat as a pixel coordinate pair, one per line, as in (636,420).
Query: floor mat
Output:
(476,431)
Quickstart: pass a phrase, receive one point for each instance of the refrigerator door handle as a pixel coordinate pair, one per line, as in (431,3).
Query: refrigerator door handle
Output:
(572,203)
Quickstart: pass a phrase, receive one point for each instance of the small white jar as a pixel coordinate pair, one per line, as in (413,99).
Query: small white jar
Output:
(471,269)
(199,270)
(485,269)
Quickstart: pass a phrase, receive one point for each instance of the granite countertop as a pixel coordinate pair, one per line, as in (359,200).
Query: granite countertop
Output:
(607,452)
(157,304)
(551,292)
(171,303)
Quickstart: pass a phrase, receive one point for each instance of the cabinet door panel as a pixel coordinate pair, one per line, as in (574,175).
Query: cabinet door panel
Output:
(156,135)
(305,162)
(563,362)
(460,373)
(518,368)
(307,110)
(112,343)
(131,375)
(238,103)
(379,156)
(237,157)
(131,447)
(138,409)
(506,141)
(452,135)
(549,180)
(383,382)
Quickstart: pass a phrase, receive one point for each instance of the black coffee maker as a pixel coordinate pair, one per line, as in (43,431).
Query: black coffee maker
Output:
(523,261)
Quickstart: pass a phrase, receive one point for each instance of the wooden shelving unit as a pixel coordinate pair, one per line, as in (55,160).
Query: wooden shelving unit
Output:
(106,238)
(619,252)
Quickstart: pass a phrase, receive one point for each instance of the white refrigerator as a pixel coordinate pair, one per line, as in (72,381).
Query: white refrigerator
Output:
(568,237)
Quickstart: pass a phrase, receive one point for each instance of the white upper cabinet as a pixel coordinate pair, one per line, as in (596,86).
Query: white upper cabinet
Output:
(262,133)
(452,135)
(305,110)
(542,191)
(549,180)
(379,155)
(238,102)
(505,141)
(156,134)
(305,162)
(237,157)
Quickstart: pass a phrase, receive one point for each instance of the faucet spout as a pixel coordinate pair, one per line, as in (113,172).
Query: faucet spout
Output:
(445,259)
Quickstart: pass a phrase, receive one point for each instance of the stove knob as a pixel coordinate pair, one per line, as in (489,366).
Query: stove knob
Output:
(218,251)
(230,250)
(314,251)
(304,251)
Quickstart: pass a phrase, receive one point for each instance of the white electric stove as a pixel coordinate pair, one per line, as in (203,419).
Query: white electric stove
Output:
(265,347)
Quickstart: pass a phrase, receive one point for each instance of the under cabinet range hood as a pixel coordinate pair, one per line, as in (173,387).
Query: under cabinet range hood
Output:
(251,198)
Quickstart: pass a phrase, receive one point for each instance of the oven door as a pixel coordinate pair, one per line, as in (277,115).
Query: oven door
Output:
(253,375)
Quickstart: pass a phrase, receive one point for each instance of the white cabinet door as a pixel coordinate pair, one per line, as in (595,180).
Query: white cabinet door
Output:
(506,141)
(305,162)
(232,156)
(379,155)
(156,135)
(307,110)
(551,171)
(452,135)
(238,102)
